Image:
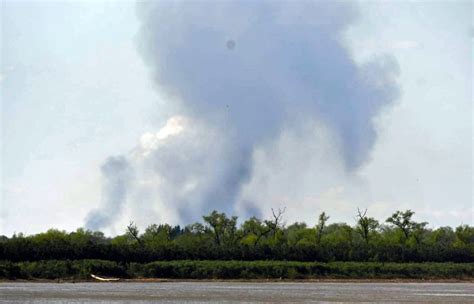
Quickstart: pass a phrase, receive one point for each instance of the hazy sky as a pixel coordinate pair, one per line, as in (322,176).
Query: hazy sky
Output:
(74,90)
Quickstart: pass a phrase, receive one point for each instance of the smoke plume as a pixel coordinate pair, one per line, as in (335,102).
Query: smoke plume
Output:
(115,175)
(240,72)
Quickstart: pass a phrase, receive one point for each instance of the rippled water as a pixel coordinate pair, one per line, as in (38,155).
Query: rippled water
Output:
(236,292)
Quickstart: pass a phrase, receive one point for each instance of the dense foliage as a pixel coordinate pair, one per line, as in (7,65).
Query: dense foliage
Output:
(219,237)
(185,269)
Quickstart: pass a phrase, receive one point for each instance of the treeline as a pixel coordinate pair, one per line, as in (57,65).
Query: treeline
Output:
(219,237)
(186,269)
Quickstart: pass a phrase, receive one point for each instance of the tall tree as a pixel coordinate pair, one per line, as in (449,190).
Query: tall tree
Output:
(133,232)
(403,221)
(323,218)
(365,225)
(276,222)
(222,227)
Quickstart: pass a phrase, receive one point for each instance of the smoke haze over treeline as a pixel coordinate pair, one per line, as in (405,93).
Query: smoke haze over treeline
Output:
(161,111)
(240,73)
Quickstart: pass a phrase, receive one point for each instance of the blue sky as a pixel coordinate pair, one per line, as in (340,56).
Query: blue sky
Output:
(75,90)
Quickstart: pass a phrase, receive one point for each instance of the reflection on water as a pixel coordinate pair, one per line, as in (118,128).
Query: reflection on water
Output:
(235,292)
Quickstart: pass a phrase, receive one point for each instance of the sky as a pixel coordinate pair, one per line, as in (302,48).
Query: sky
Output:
(76,89)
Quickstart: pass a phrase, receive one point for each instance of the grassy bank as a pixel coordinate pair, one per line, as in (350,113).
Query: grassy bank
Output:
(186,269)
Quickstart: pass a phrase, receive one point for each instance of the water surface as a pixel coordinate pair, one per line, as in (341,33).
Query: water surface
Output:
(236,292)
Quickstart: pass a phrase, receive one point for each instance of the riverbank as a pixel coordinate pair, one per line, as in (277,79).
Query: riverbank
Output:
(247,271)
(163,280)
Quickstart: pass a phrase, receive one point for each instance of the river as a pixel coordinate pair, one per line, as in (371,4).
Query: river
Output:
(236,292)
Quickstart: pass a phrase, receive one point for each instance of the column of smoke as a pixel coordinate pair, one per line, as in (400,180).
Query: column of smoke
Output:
(241,72)
(115,175)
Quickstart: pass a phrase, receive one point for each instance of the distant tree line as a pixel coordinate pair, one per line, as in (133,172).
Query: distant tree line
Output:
(219,237)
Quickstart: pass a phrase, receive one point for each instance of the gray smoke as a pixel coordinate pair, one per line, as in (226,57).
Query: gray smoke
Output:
(241,72)
(288,61)
(115,175)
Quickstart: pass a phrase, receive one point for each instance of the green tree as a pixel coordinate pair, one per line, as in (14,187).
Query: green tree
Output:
(155,235)
(222,227)
(298,233)
(403,220)
(253,231)
(465,235)
(322,219)
(365,225)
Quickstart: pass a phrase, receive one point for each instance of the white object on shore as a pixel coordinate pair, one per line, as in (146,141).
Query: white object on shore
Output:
(104,279)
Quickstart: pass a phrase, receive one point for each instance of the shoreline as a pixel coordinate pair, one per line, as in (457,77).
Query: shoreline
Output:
(320,280)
